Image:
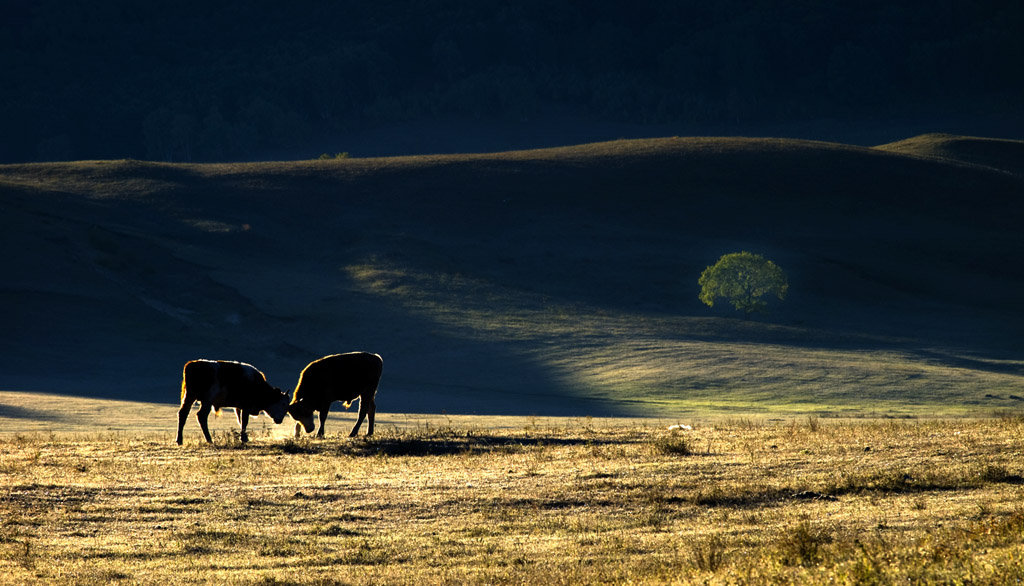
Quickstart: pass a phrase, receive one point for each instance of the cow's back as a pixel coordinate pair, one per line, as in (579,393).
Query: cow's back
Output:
(226,383)
(340,377)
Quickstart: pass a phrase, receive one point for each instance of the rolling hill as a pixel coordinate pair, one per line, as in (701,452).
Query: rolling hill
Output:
(557,282)
(994,153)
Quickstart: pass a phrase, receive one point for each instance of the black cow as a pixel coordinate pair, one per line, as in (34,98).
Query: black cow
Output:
(219,383)
(339,377)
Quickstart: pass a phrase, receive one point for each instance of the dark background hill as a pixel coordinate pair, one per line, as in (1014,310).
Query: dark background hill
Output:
(265,80)
(557,281)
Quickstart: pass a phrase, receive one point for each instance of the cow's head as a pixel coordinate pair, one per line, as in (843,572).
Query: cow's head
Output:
(301,412)
(279,408)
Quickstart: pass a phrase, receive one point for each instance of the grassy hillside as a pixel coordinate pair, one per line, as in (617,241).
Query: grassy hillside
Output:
(559,281)
(1004,155)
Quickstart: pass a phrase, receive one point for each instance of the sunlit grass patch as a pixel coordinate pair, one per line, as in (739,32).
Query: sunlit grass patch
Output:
(673,365)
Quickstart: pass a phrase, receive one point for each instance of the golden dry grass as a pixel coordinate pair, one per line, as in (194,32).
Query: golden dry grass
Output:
(571,501)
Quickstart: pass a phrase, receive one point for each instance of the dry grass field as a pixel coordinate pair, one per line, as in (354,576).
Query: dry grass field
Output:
(541,501)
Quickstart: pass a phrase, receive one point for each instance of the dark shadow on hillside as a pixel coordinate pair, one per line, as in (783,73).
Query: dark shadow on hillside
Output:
(428,368)
(971,363)
(18,412)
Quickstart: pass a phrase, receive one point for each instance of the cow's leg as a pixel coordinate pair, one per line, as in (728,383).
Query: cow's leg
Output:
(243,420)
(298,430)
(323,419)
(366,407)
(202,416)
(186,406)
(371,410)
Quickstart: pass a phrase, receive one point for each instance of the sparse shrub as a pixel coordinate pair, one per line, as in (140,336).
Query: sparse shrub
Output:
(208,541)
(708,555)
(1004,530)
(17,548)
(335,530)
(364,552)
(802,545)
(336,156)
(995,473)
(884,481)
(100,577)
(656,516)
(741,423)
(813,423)
(274,581)
(296,446)
(673,445)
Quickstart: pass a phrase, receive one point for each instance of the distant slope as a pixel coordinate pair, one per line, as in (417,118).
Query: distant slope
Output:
(558,281)
(1006,155)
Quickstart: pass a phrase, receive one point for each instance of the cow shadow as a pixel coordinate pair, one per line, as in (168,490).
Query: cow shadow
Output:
(446,444)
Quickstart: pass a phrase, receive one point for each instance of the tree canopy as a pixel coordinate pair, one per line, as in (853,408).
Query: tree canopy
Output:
(744,278)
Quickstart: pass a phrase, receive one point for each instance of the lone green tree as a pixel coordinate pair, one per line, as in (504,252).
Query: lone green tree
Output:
(743,278)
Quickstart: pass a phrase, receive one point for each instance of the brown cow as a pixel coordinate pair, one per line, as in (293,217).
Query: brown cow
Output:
(219,383)
(339,377)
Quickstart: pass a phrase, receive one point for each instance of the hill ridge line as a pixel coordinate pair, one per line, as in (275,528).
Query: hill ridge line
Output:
(601,148)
